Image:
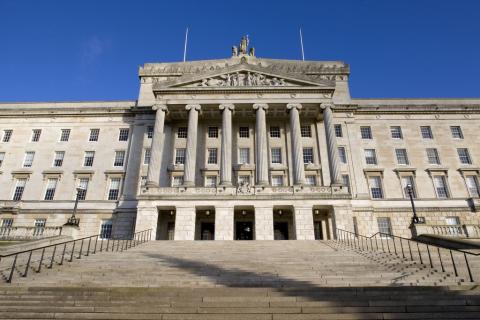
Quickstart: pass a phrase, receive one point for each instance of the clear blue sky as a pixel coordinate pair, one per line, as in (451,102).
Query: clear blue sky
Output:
(91,50)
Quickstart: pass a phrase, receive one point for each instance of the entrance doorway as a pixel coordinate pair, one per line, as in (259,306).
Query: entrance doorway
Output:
(283,226)
(321,223)
(205,224)
(244,223)
(317,227)
(280,231)
(207,231)
(165,225)
(244,230)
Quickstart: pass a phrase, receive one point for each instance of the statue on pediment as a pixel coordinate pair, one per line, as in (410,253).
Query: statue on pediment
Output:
(244,44)
(242,48)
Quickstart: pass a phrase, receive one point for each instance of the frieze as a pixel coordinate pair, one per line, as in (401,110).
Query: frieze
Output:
(242,79)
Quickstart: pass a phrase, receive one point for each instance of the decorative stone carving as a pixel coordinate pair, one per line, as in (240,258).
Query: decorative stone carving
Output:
(244,188)
(242,79)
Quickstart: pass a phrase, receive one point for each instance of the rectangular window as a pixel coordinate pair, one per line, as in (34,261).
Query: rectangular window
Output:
(441,186)
(150,132)
(464,156)
(456,132)
(307,155)
(114,189)
(384,226)
(82,188)
(244,132)
(182,132)
(346,180)
(39,227)
(94,133)
(58,159)
(210,181)
(408,181)
(213,132)
(452,221)
(310,180)
(180,156)
(244,156)
(28,160)
(375,183)
(472,185)
(402,157)
(6,223)
(277,181)
(306,131)
(88,158)
(64,135)
(119,159)
(338,130)
(7,135)
(19,188)
(342,154)
(106,229)
(51,187)
(123,134)
(432,155)
(243,179)
(36,135)
(370,156)
(396,132)
(276,154)
(2,158)
(212,156)
(177,181)
(426,132)
(274,132)
(147,155)
(366,132)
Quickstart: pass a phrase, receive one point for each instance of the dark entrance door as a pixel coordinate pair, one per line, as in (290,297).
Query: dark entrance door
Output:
(244,230)
(280,230)
(170,230)
(317,227)
(207,231)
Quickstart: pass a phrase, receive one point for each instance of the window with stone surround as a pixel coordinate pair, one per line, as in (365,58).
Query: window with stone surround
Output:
(114,189)
(346,180)
(441,188)
(36,135)
(64,135)
(432,156)
(310,180)
(58,158)
(408,180)
(39,227)
(402,157)
(123,134)
(464,156)
(119,158)
(83,185)
(182,132)
(276,155)
(366,132)
(472,185)
(2,158)
(51,187)
(19,188)
(149,132)
(6,223)
(7,135)
(456,132)
(147,155)
(94,134)
(384,227)
(307,155)
(180,156)
(28,159)
(88,158)
(274,132)
(277,180)
(211,181)
(396,132)
(426,132)
(244,132)
(370,156)
(243,179)
(306,131)
(177,181)
(106,229)
(338,131)
(375,183)
(244,156)
(213,132)
(212,156)
(342,154)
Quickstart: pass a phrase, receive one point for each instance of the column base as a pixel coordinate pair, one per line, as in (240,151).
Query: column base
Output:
(151,184)
(226,184)
(187,184)
(262,184)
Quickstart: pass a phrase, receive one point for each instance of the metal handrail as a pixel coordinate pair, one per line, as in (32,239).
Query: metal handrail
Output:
(137,238)
(361,242)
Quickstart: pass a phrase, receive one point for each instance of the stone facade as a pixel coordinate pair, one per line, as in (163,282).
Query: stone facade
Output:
(243,148)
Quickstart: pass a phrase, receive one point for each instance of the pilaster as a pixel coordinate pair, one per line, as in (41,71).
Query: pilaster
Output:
(185,223)
(263,223)
(224,218)
(303,220)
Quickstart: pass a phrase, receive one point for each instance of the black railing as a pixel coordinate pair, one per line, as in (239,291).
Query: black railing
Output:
(23,261)
(453,260)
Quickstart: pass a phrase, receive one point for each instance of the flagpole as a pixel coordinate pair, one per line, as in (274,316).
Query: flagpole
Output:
(185,49)
(301,44)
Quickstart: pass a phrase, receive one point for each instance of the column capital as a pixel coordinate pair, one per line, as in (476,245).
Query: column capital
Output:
(258,106)
(326,105)
(291,106)
(227,106)
(161,107)
(196,107)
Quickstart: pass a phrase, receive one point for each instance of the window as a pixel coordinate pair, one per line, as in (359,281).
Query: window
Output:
(58,158)
(7,135)
(19,188)
(370,156)
(119,159)
(441,186)
(307,155)
(244,132)
(366,132)
(432,155)
(177,181)
(106,229)
(310,180)
(51,187)
(402,157)
(456,132)
(306,131)
(83,185)
(384,226)
(244,156)
(6,223)
(338,130)
(2,158)
(408,180)
(114,189)
(396,132)
(94,133)
(39,227)
(452,221)
(150,132)
(65,135)
(243,179)
(472,185)
(212,156)
(346,180)
(277,181)
(426,132)
(123,134)
(182,132)
(213,132)
(36,135)
(375,187)
(180,156)
(210,181)
(276,155)
(464,156)
(28,160)
(342,154)
(274,132)
(88,158)
(147,155)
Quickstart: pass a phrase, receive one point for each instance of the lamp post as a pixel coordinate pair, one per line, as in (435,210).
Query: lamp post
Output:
(74,221)
(410,194)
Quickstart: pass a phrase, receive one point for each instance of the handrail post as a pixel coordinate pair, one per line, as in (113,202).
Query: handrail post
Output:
(453,263)
(410,249)
(96,241)
(388,245)
(63,253)
(28,264)
(440,258)
(429,257)
(401,245)
(101,245)
(381,241)
(468,267)
(53,257)
(88,247)
(371,244)
(73,250)
(13,268)
(394,245)
(108,242)
(41,261)
(419,254)
(376,241)
(81,250)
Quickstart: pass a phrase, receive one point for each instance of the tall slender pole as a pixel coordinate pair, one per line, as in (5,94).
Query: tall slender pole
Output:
(185,48)
(301,44)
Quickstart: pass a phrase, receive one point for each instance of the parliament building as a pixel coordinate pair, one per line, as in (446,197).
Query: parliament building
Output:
(242,148)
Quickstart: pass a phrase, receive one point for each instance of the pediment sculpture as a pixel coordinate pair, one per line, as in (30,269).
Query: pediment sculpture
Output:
(242,79)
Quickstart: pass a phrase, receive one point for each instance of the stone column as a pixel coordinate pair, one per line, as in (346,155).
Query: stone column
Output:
(191,152)
(224,223)
(297,146)
(261,147)
(185,223)
(226,161)
(153,175)
(333,158)
(303,218)
(263,223)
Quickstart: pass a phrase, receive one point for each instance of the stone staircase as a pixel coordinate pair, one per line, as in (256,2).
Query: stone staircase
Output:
(240,280)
